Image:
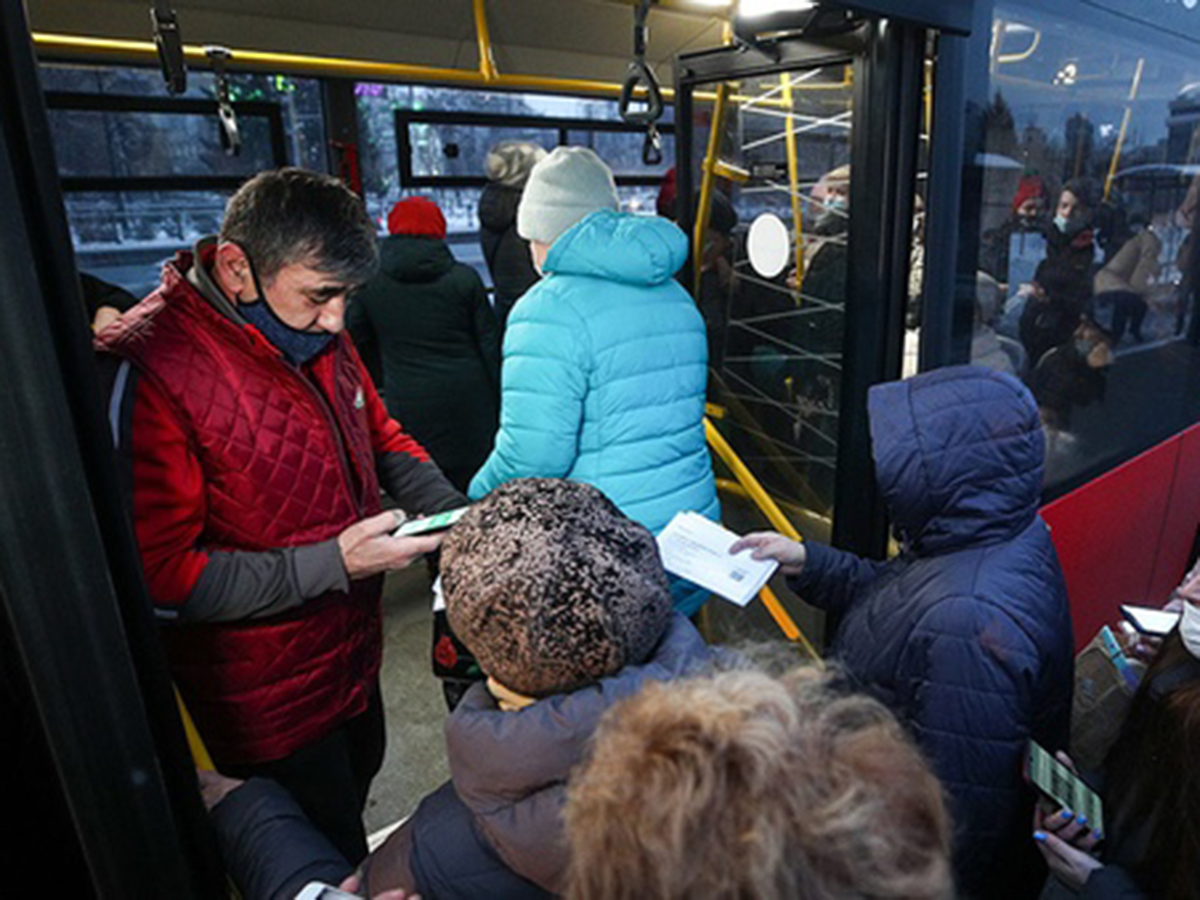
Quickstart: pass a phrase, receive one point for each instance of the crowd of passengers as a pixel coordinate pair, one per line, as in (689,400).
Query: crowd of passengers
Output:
(1069,276)
(598,746)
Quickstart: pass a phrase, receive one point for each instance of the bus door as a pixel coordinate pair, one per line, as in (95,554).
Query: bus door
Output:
(798,150)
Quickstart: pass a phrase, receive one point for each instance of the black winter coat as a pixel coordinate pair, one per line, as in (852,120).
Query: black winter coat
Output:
(506,254)
(429,320)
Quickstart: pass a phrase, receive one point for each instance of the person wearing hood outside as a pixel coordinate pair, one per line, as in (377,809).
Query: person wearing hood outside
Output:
(605,359)
(966,634)
(565,603)
(429,319)
(507,166)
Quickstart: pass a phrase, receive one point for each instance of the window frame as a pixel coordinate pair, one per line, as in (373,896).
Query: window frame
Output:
(73,101)
(563,125)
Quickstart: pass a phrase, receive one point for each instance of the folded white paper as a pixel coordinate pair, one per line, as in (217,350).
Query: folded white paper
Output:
(697,549)
(439,599)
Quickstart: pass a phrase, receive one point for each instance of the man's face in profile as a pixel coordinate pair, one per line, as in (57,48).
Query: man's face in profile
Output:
(307,299)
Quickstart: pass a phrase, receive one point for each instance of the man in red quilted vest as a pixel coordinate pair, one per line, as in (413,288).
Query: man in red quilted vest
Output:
(258,445)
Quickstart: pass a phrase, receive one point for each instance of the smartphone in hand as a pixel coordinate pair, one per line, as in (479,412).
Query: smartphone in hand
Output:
(430,524)
(1064,787)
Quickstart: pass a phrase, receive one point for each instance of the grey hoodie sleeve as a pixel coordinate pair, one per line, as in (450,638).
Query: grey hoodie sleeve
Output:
(237,585)
(418,487)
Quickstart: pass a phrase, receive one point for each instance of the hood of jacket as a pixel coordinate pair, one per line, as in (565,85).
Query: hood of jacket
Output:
(959,456)
(511,768)
(498,207)
(407,258)
(643,250)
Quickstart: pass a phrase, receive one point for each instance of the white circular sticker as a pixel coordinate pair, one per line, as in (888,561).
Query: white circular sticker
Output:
(768,245)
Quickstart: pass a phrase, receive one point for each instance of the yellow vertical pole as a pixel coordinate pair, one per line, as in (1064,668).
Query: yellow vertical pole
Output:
(199,752)
(778,521)
(794,179)
(1116,157)
(487,62)
(707,177)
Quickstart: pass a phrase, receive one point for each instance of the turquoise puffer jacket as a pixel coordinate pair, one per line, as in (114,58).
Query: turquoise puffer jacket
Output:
(605,365)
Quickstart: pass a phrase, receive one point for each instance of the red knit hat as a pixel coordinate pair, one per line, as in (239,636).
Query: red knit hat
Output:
(418,217)
(1030,187)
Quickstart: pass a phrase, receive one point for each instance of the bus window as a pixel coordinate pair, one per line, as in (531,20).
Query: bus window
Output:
(1090,153)
(144,175)
(433,141)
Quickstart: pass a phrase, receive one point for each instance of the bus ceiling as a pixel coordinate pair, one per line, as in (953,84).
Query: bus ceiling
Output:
(532,46)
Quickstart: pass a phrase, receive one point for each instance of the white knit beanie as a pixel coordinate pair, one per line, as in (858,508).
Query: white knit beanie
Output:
(510,162)
(570,183)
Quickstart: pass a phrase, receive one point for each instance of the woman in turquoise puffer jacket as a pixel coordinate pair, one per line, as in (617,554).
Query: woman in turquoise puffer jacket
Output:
(605,359)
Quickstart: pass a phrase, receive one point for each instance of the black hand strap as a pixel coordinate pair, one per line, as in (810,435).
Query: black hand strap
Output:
(231,138)
(170,46)
(639,73)
(652,154)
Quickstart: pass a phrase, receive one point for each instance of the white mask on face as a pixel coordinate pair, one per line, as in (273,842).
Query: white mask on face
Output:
(1189,628)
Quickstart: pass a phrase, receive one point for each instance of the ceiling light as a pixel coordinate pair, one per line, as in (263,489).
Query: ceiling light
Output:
(752,9)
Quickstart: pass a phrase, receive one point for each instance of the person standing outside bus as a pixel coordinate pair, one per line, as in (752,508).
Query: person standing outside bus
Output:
(966,634)
(257,445)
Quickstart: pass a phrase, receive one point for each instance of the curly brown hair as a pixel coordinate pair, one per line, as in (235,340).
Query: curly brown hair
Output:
(741,785)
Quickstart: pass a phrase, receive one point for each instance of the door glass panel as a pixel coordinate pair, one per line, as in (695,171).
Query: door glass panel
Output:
(775,341)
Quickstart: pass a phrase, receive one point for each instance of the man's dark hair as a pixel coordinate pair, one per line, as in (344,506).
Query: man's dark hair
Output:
(292,215)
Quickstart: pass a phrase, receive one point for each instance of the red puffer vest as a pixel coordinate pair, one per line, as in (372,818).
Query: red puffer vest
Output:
(287,460)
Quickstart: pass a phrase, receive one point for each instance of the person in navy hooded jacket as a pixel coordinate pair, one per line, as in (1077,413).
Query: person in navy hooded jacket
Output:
(966,634)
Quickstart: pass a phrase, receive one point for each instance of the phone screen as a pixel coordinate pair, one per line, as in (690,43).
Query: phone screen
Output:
(438,522)
(1150,621)
(1059,783)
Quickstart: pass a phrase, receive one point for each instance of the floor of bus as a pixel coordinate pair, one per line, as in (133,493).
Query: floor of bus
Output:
(415,762)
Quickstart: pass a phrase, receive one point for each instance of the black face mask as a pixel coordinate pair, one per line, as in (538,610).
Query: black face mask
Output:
(296,345)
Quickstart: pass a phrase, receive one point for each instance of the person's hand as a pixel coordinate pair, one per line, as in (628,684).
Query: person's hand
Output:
(1065,839)
(353,884)
(1066,843)
(791,555)
(1140,646)
(105,316)
(368,547)
(1100,356)
(214,786)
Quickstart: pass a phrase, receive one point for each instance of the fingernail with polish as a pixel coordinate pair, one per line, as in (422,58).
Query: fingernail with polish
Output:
(1039,836)
(1081,819)
(1098,835)
(1066,813)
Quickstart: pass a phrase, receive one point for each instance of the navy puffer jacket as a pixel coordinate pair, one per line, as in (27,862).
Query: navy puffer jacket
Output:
(966,635)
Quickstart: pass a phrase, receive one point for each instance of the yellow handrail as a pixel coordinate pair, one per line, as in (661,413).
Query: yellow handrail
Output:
(299,63)
(794,181)
(708,174)
(778,520)
(487,63)
(1116,157)
(200,755)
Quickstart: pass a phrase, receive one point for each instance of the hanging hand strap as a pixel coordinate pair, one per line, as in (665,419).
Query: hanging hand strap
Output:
(652,154)
(170,46)
(231,138)
(639,73)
